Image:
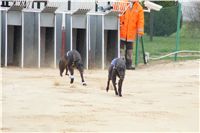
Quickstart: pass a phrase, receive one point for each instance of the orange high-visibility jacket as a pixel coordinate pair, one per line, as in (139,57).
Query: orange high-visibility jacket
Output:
(132,23)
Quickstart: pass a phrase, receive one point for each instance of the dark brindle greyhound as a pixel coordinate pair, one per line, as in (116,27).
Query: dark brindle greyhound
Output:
(72,59)
(116,69)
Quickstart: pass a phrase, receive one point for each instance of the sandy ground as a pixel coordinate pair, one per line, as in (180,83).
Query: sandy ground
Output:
(156,97)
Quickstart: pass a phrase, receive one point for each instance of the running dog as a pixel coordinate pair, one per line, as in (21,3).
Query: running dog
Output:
(116,69)
(72,59)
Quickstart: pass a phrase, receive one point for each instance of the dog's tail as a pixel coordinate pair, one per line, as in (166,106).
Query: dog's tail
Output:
(61,67)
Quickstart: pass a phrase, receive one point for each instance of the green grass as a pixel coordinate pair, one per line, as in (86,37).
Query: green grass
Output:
(163,45)
(189,40)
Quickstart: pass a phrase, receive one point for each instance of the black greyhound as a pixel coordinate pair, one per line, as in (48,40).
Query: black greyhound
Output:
(72,59)
(116,69)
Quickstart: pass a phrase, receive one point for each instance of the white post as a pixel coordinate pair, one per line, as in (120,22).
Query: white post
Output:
(22,50)
(87,41)
(71,46)
(89,45)
(118,43)
(0,40)
(103,42)
(39,44)
(6,38)
(55,41)
(63,20)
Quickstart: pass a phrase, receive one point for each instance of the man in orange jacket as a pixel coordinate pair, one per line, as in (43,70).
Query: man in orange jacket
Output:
(131,25)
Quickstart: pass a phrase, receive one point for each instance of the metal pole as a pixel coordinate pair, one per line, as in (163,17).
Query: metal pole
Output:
(102,42)
(118,43)
(143,51)
(6,38)
(22,50)
(96,6)
(38,5)
(69,5)
(55,41)
(87,40)
(71,46)
(39,45)
(0,40)
(89,45)
(136,51)
(178,30)
(63,35)
(69,8)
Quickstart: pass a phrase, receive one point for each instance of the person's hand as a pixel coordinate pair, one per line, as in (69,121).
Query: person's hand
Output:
(140,35)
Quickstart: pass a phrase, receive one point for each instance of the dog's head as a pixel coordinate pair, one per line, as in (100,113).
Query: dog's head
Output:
(121,68)
(79,66)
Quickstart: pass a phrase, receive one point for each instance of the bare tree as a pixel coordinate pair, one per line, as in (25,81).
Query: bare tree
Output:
(192,14)
(198,11)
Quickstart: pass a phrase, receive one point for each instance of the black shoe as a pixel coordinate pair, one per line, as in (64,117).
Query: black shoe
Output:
(130,68)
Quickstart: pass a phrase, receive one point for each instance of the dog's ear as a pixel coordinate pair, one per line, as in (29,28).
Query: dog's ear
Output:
(123,58)
(80,66)
(114,67)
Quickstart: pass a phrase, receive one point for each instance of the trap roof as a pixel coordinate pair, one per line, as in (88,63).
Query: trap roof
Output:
(16,8)
(81,11)
(49,9)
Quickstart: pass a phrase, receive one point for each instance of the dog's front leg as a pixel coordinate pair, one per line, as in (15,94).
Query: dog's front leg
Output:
(108,84)
(66,68)
(82,78)
(114,83)
(71,70)
(120,87)
(109,78)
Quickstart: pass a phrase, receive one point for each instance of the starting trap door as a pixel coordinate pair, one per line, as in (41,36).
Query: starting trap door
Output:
(13,44)
(103,39)
(3,36)
(31,38)
(79,33)
(111,37)
(48,37)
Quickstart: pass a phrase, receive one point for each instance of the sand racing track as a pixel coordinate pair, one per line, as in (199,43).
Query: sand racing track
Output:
(156,97)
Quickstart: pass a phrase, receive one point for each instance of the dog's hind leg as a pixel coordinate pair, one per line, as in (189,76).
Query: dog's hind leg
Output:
(66,68)
(120,87)
(108,84)
(71,70)
(82,78)
(114,84)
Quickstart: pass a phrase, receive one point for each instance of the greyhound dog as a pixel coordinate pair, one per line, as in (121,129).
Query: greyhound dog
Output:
(72,59)
(116,69)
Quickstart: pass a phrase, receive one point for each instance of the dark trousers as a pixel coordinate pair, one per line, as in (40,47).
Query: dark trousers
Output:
(127,53)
